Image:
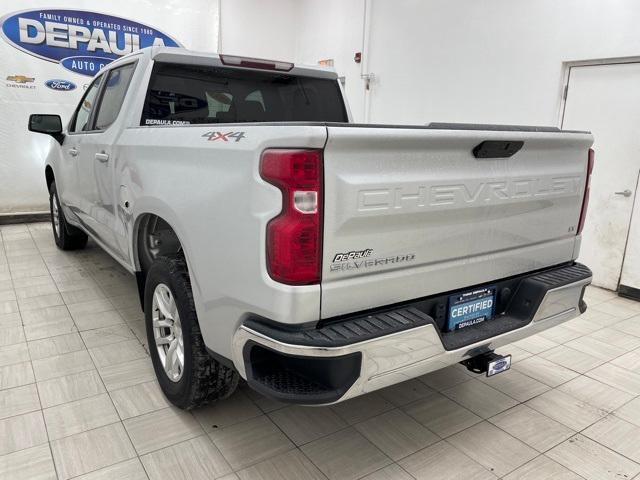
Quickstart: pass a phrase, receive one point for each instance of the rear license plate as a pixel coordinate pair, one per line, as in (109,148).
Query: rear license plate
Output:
(470,308)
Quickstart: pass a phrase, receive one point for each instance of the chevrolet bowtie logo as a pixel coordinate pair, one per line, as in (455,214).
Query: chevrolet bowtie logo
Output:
(20,79)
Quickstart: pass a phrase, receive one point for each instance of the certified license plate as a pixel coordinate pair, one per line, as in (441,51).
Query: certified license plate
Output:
(470,308)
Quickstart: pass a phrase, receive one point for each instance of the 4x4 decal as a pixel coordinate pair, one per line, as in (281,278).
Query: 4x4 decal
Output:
(224,136)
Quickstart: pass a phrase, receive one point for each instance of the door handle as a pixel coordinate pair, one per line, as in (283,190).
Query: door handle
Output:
(624,193)
(73,152)
(102,157)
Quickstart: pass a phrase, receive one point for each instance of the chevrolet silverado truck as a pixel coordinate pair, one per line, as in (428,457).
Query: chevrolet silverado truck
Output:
(276,241)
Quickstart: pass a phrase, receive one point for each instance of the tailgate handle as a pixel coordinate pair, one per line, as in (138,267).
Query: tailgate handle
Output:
(497,148)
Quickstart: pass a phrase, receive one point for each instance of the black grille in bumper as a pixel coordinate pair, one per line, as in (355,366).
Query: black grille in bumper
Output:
(300,379)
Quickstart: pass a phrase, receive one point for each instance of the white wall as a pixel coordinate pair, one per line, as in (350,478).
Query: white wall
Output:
(434,60)
(497,61)
(333,29)
(262,29)
(302,31)
(493,61)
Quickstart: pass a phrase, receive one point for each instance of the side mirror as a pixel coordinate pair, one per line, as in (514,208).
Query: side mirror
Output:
(47,124)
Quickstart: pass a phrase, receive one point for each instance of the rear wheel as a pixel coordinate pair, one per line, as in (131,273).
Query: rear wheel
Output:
(67,237)
(188,375)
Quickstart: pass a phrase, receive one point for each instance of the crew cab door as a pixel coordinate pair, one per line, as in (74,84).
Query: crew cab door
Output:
(72,187)
(99,160)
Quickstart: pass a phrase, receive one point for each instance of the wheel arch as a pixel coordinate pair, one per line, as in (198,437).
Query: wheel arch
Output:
(153,236)
(49,176)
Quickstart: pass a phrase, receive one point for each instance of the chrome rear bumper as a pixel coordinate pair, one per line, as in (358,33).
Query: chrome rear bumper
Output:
(406,354)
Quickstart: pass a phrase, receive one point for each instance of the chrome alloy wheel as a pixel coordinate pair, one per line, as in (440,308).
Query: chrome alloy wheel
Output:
(56,215)
(167,332)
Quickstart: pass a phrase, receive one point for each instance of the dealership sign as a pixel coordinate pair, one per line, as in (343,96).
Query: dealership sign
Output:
(79,40)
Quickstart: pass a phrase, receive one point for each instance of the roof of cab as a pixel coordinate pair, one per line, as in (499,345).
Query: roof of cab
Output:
(191,57)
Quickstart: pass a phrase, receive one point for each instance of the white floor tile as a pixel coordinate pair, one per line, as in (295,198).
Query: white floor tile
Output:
(195,459)
(79,416)
(445,462)
(162,428)
(91,450)
(30,464)
(581,376)
(592,460)
(492,448)
(345,455)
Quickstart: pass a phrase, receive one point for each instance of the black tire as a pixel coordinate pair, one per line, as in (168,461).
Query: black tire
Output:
(203,378)
(67,237)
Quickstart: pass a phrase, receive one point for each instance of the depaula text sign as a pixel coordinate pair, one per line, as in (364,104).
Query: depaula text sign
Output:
(80,41)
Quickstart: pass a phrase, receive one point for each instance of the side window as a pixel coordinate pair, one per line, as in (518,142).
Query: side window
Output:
(80,120)
(113,95)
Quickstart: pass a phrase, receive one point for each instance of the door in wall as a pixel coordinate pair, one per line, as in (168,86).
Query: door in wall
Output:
(630,277)
(605,99)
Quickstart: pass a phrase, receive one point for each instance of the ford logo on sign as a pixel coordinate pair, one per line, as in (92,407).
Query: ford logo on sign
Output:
(63,85)
(79,40)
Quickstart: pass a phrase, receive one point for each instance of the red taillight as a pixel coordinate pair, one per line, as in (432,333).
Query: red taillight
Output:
(294,237)
(587,189)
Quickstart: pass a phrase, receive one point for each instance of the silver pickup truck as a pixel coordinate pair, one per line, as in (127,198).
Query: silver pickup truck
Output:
(274,240)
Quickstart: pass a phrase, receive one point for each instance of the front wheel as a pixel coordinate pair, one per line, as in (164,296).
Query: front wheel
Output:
(67,237)
(188,375)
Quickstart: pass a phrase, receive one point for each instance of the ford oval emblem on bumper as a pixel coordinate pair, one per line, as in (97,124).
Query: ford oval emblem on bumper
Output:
(500,365)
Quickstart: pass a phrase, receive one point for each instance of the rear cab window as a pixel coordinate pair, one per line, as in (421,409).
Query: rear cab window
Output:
(191,94)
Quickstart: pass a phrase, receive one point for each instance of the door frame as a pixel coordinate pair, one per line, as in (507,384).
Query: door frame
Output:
(622,290)
(566,75)
(626,290)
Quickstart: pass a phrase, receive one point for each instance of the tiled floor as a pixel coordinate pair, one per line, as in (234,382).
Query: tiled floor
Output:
(78,397)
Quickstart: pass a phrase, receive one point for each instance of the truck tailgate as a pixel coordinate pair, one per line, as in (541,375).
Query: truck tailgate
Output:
(411,212)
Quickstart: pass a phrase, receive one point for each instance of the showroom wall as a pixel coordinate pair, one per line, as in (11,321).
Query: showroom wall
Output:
(497,61)
(301,31)
(27,80)
(437,60)
(333,29)
(469,61)
(259,29)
